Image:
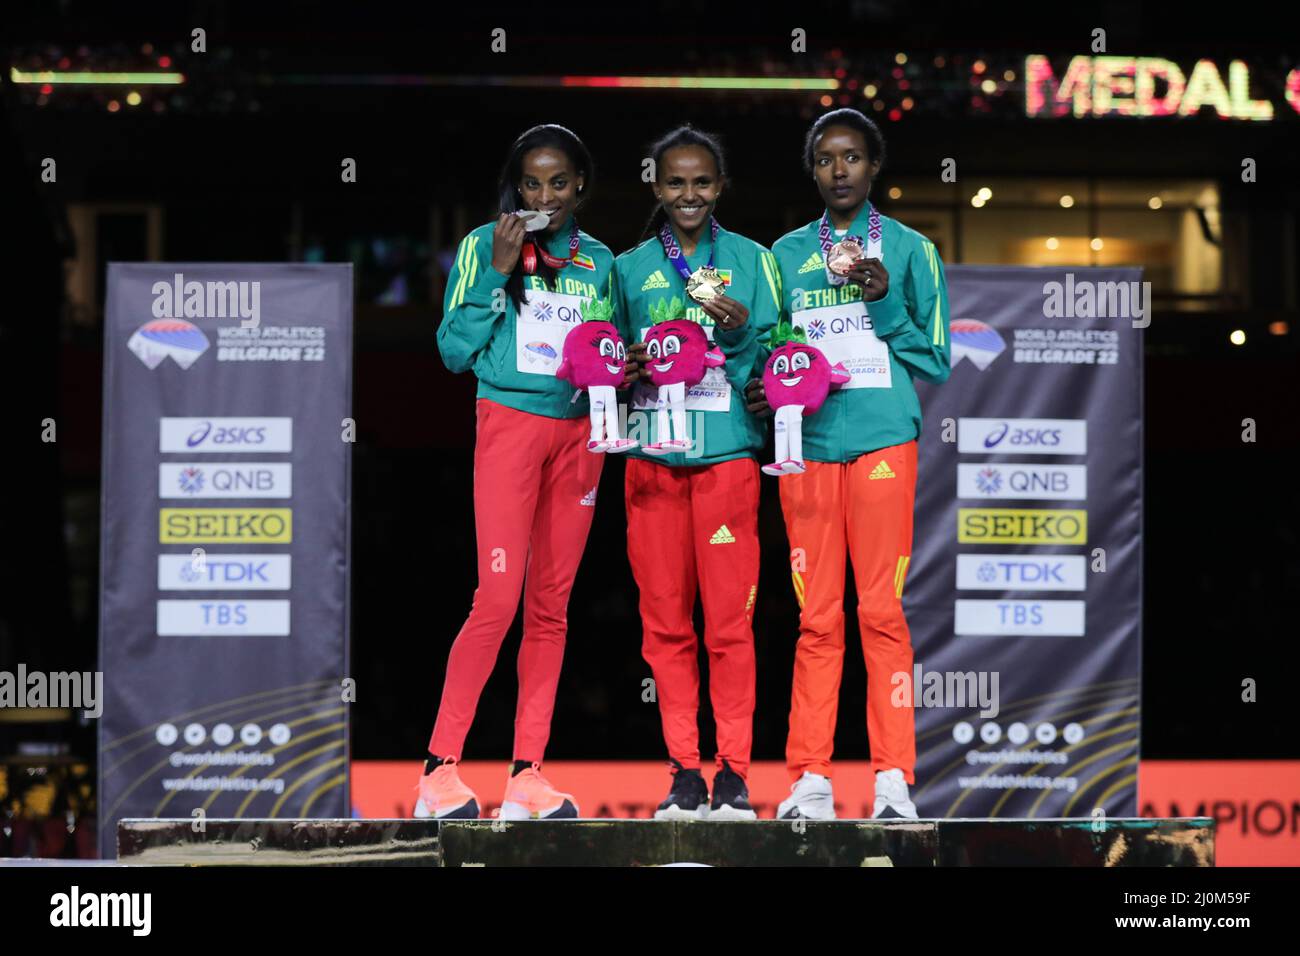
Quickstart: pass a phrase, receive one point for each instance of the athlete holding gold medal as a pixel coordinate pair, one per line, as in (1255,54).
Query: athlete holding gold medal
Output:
(886,326)
(692,522)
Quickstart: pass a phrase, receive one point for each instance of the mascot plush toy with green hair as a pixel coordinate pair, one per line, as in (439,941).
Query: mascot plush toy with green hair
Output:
(677,353)
(796,380)
(594,359)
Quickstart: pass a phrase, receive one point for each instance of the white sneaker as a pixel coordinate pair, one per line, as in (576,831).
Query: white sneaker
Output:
(810,798)
(891,797)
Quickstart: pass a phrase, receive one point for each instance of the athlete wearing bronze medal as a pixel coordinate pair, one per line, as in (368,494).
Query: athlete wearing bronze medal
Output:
(855,498)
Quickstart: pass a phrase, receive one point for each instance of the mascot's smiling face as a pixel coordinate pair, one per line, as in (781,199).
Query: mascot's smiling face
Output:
(595,355)
(675,352)
(797,374)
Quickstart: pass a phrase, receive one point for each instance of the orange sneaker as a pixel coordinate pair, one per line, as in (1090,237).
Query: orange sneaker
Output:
(443,796)
(530,796)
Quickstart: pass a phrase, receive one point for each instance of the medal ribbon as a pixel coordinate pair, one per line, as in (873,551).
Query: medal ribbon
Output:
(674,252)
(533,249)
(872,247)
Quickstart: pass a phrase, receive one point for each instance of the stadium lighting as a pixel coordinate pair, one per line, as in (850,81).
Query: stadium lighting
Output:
(97,79)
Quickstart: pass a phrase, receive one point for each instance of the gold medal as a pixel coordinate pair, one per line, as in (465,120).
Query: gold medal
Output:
(843,254)
(704,284)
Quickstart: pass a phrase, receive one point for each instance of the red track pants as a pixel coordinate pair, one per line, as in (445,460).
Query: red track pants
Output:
(534,497)
(686,527)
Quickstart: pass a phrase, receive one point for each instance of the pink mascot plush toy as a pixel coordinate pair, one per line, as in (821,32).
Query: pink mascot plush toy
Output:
(796,381)
(594,358)
(677,353)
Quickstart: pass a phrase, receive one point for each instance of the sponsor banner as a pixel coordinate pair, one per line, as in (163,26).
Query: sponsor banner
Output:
(1022,436)
(236,479)
(195,435)
(224,380)
(1022,525)
(216,616)
(223,572)
(1038,537)
(1021,572)
(1036,482)
(1017,617)
(225,525)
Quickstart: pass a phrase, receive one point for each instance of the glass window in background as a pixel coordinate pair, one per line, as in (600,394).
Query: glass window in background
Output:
(1171,229)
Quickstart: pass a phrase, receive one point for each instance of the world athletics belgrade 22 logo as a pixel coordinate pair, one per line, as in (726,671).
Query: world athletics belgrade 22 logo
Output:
(159,338)
(975,340)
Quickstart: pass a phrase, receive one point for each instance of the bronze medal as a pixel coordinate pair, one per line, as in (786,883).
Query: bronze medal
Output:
(843,254)
(704,284)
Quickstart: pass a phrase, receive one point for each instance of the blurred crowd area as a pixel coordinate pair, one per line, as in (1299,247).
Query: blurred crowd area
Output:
(47,810)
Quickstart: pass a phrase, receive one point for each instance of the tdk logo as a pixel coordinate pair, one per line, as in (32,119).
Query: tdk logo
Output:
(208,300)
(1019,572)
(200,571)
(226,572)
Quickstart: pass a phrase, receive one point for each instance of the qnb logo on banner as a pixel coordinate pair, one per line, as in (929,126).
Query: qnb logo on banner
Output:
(224,598)
(1026,563)
(232,480)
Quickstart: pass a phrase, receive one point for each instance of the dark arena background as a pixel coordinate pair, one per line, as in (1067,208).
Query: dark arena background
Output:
(232,154)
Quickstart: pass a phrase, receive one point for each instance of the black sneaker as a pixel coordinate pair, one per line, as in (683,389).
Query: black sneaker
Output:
(730,796)
(688,799)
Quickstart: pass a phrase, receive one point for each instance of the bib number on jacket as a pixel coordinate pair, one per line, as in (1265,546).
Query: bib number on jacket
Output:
(845,334)
(541,326)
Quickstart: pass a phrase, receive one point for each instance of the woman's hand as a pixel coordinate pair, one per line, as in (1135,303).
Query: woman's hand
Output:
(871,276)
(634,368)
(507,240)
(727,313)
(755,399)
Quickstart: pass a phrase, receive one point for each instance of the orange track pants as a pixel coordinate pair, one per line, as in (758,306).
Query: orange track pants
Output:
(862,509)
